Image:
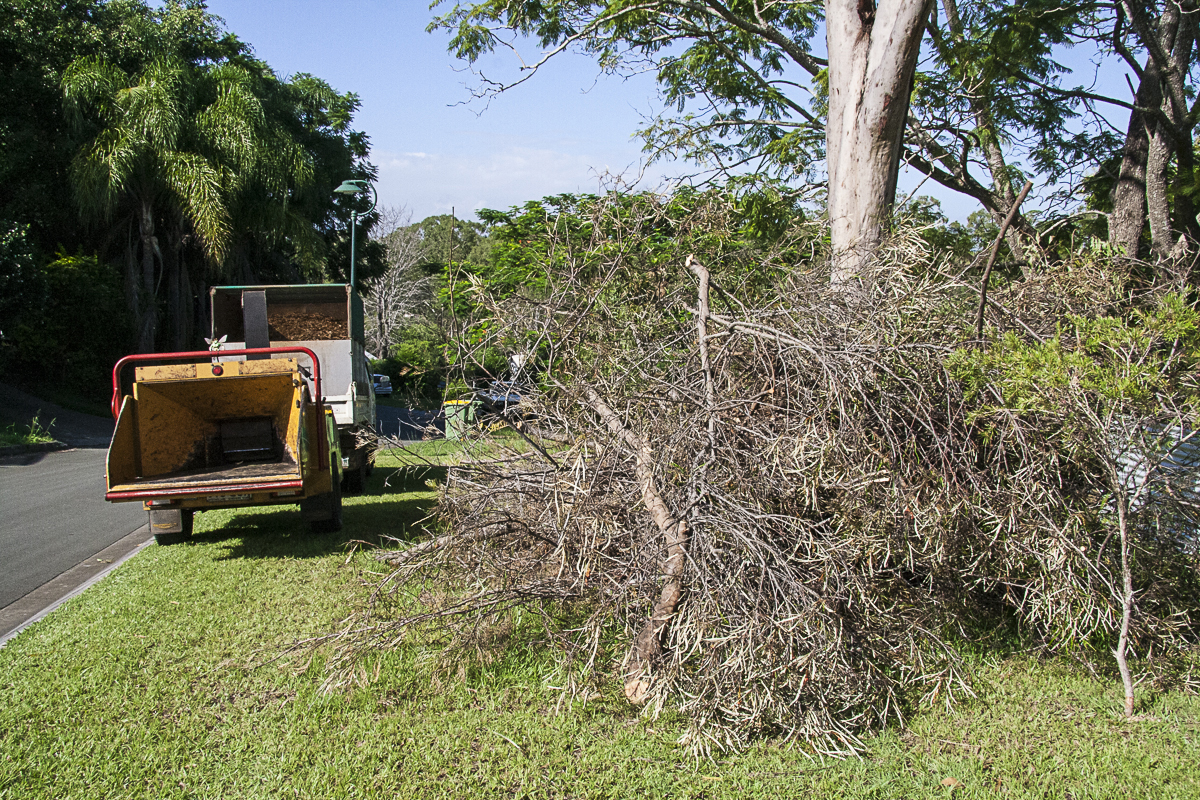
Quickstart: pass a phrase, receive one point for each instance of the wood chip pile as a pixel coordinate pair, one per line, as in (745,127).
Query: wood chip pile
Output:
(296,326)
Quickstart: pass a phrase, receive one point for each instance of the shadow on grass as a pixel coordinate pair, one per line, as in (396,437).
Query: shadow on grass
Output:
(418,478)
(394,506)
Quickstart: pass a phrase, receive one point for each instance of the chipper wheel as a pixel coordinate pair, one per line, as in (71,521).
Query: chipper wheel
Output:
(324,512)
(355,479)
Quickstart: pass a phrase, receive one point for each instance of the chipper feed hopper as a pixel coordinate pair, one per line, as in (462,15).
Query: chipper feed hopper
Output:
(326,319)
(200,433)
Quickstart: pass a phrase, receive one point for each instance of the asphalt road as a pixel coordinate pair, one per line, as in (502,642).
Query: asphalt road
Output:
(405,423)
(53,516)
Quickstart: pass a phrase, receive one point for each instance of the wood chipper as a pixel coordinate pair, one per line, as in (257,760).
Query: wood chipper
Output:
(219,434)
(238,426)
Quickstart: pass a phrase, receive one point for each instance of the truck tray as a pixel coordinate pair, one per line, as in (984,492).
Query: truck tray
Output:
(222,477)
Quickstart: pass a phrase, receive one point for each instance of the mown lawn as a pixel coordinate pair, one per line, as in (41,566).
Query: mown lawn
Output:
(172,679)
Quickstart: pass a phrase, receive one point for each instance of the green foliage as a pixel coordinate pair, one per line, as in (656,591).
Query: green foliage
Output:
(159,119)
(150,142)
(79,332)
(1129,363)
(33,433)
(38,40)
(416,362)
(22,285)
(447,240)
(653,234)
(725,67)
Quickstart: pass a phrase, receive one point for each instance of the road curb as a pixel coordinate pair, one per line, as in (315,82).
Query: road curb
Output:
(21,449)
(20,614)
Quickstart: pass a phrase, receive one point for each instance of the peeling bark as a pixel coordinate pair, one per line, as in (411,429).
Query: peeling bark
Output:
(872,58)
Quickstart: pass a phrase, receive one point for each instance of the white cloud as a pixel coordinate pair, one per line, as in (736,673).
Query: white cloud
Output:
(468,180)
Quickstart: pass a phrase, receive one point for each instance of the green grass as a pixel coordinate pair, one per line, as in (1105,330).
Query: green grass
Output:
(171,679)
(33,433)
(441,452)
(450,452)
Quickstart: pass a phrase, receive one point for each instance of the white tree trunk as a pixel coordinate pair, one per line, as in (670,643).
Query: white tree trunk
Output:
(872,56)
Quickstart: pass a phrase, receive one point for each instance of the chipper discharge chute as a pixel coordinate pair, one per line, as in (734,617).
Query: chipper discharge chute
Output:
(196,432)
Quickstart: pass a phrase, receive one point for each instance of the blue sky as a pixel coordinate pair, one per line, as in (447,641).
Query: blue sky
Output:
(557,133)
(560,132)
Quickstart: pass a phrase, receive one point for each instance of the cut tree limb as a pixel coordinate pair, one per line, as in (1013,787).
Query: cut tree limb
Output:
(647,646)
(987,271)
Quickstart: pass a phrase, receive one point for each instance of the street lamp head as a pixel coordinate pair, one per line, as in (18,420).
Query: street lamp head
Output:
(351,187)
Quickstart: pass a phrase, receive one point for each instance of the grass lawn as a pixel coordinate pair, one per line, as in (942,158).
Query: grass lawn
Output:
(170,679)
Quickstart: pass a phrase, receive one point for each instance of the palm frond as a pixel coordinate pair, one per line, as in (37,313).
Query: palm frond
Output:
(197,189)
(89,84)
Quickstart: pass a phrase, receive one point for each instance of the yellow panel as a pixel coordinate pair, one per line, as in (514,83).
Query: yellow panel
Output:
(234,369)
(179,421)
(121,465)
(165,372)
(267,365)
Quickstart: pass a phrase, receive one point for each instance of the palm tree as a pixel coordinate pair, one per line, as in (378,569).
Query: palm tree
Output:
(146,162)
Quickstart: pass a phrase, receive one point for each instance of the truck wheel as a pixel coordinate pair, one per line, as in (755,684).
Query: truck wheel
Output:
(355,479)
(334,523)
(172,525)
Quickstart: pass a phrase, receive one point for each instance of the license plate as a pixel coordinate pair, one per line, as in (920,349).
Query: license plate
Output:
(227,498)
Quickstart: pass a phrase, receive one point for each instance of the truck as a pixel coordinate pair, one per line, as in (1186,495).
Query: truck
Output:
(279,410)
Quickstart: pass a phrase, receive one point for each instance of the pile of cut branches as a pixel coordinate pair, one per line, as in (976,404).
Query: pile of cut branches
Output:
(783,508)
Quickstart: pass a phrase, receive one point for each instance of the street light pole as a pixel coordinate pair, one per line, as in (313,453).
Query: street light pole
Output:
(351,187)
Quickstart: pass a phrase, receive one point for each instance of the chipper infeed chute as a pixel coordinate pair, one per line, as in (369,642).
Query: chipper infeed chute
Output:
(194,434)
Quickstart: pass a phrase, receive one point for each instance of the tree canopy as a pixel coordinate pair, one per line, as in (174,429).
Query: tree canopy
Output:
(746,86)
(189,161)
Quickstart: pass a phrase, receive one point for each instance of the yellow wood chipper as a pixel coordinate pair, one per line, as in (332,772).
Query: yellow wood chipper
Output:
(245,425)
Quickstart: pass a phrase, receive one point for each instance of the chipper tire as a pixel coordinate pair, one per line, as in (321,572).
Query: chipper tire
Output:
(355,480)
(172,525)
(331,501)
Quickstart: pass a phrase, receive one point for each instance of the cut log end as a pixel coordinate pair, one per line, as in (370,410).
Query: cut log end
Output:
(637,690)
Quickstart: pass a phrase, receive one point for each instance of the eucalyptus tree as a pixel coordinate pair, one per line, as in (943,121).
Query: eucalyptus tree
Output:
(747,88)
(751,93)
(1157,41)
